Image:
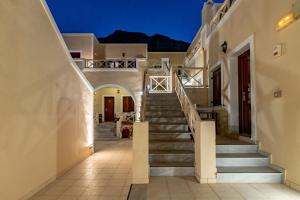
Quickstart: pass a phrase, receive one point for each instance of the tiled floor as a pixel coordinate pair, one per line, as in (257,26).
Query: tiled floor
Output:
(103,176)
(106,175)
(186,188)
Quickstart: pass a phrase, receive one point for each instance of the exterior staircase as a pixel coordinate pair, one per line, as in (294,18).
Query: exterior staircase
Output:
(245,164)
(171,149)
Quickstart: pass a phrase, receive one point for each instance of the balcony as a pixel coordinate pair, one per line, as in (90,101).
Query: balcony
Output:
(221,13)
(110,65)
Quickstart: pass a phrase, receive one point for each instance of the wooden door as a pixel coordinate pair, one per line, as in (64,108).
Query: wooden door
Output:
(128,104)
(217,94)
(244,82)
(109,109)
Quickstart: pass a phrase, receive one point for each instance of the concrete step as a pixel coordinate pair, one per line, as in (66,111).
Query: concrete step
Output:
(168,127)
(237,148)
(260,174)
(169,135)
(163,108)
(171,156)
(162,95)
(167,119)
(242,160)
(172,171)
(178,144)
(151,114)
(163,103)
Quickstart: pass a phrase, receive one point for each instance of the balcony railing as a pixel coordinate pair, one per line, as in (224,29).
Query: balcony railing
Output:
(111,64)
(160,84)
(221,13)
(191,77)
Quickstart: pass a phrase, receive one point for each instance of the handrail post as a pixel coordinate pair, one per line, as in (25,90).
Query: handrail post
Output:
(140,164)
(205,151)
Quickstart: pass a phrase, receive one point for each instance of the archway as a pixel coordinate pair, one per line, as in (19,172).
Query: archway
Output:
(115,109)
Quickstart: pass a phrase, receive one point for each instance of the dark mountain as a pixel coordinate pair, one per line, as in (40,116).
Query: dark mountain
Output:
(156,43)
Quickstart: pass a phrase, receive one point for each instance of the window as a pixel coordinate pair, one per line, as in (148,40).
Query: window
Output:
(128,104)
(75,54)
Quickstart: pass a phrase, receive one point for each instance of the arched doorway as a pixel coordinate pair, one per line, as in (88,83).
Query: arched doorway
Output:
(114,112)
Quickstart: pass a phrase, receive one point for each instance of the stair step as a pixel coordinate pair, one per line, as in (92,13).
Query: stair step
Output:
(242,159)
(167,119)
(172,171)
(237,148)
(179,144)
(171,152)
(258,169)
(171,155)
(172,164)
(163,108)
(169,136)
(168,95)
(249,175)
(168,126)
(166,113)
(162,102)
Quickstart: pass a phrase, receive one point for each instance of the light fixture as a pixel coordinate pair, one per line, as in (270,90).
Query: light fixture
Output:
(118,91)
(290,17)
(224,47)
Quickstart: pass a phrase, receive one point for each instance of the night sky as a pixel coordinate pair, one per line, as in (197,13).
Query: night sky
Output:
(178,19)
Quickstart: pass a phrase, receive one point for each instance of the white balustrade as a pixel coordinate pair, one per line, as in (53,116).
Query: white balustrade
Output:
(160,84)
(204,134)
(112,64)
(191,77)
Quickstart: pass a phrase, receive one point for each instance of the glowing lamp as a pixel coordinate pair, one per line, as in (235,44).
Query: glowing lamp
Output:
(290,18)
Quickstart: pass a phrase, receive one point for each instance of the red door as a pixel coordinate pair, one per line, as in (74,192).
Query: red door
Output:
(109,109)
(244,94)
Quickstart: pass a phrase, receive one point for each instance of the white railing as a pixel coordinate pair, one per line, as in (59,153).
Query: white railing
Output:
(204,134)
(160,84)
(192,77)
(112,64)
(221,13)
(188,108)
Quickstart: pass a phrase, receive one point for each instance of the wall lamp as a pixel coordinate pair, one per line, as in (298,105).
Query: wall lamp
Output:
(224,47)
(290,18)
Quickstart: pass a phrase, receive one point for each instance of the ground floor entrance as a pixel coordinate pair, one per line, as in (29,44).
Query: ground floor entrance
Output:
(109,109)
(244,94)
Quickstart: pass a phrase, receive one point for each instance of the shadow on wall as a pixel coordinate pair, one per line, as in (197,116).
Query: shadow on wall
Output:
(75,124)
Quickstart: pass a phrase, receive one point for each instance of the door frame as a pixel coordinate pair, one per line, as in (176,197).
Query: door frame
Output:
(103,105)
(248,44)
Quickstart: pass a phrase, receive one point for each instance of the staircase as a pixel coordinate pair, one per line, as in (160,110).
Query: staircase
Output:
(245,164)
(171,150)
(105,132)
